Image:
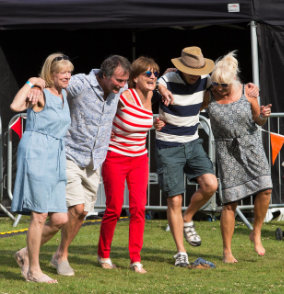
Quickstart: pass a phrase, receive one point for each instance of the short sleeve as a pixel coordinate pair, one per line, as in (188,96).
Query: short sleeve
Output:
(162,81)
(76,84)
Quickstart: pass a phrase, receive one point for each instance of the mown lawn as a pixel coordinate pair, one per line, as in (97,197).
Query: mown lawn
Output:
(253,274)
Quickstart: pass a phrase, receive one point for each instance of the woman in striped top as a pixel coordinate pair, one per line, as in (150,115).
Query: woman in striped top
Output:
(127,159)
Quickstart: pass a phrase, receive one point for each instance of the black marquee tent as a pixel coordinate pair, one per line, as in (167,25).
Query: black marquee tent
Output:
(34,16)
(16,14)
(90,29)
(120,13)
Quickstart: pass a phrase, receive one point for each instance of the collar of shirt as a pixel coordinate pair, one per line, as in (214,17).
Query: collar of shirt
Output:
(93,78)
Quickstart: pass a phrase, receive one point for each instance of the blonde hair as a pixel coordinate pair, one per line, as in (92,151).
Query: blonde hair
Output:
(51,65)
(139,66)
(226,70)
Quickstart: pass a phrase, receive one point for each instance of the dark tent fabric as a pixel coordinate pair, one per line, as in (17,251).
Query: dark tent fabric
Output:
(8,85)
(269,11)
(271,58)
(270,34)
(120,13)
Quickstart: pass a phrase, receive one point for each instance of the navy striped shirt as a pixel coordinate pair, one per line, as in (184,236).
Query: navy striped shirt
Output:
(181,117)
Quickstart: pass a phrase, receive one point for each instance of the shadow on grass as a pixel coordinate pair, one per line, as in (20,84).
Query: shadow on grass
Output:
(87,256)
(265,233)
(10,275)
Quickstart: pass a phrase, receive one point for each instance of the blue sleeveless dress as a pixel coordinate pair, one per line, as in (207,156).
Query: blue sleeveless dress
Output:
(242,164)
(41,163)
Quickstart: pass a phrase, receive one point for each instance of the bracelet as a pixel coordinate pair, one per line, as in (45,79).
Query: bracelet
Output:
(30,84)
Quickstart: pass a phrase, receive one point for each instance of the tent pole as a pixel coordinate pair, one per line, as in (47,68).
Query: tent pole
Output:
(254,53)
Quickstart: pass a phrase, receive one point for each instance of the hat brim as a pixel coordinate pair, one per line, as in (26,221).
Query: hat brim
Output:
(207,69)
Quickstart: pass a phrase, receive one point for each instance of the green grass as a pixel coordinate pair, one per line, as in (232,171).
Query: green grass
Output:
(253,274)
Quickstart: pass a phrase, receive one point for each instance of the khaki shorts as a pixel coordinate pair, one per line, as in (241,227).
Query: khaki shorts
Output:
(82,185)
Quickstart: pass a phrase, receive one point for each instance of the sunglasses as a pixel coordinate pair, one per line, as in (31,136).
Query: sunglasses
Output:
(58,58)
(217,85)
(149,73)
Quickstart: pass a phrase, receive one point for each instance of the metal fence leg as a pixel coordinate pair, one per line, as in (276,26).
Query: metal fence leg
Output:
(244,219)
(7,212)
(17,220)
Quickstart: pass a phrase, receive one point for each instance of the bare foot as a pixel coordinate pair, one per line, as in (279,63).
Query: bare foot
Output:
(229,258)
(40,278)
(259,249)
(22,259)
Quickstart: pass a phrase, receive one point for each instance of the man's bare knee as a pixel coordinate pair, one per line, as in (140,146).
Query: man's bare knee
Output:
(77,211)
(208,184)
(174,202)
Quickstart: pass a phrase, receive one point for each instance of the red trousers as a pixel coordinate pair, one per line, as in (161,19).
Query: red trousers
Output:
(135,170)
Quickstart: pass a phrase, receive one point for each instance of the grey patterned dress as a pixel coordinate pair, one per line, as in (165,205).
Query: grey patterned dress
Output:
(242,165)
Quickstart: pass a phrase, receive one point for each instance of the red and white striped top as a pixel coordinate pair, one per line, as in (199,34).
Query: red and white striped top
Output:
(130,127)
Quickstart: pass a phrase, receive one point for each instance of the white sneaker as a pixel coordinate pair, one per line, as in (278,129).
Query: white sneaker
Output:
(190,234)
(181,259)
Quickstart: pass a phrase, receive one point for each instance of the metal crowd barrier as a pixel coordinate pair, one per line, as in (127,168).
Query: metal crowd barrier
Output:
(6,211)
(156,201)
(277,166)
(160,203)
(9,176)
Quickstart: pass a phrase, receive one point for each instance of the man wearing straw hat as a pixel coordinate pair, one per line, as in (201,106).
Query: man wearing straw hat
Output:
(178,147)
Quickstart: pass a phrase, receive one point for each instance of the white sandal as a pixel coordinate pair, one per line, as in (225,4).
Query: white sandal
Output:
(138,267)
(106,263)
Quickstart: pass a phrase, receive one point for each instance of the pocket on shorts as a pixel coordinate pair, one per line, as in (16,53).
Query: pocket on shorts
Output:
(169,171)
(168,178)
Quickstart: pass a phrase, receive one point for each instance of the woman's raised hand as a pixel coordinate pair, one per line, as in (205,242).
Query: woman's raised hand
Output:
(265,110)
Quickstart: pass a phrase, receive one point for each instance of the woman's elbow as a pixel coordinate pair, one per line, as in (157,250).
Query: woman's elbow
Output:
(12,107)
(16,108)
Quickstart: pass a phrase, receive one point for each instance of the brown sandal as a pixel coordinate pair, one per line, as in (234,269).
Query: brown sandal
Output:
(106,263)
(137,267)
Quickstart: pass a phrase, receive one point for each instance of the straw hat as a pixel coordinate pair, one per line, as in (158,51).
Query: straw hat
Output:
(192,62)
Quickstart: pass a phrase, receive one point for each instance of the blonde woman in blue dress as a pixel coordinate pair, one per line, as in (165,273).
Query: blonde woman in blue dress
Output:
(39,188)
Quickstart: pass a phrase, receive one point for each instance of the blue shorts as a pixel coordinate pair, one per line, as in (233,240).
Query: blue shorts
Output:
(173,162)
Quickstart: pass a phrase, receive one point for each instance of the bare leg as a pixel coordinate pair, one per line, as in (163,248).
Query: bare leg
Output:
(227,229)
(175,220)
(56,221)
(34,238)
(22,258)
(208,186)
(261,204)
(76,216)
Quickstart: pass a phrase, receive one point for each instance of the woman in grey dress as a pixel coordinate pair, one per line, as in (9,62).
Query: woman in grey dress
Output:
(242,165)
